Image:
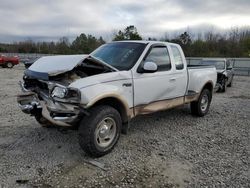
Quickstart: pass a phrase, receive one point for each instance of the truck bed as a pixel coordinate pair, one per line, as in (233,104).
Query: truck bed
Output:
(198,76)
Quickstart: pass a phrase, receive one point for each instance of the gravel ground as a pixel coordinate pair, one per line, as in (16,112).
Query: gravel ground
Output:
(166,149)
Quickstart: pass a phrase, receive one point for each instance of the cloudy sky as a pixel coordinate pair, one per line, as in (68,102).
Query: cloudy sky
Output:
(49,19)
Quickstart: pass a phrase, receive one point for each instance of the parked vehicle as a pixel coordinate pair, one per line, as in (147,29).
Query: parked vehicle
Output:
(8,62)
(225,72)
(29,62)
(101,92)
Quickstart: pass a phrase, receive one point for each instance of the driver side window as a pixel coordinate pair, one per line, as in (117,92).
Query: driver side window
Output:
(160,56)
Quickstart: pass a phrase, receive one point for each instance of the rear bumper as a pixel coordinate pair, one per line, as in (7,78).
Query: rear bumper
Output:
(58,113)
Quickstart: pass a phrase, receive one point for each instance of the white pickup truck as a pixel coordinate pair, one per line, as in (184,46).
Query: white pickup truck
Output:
(100,93)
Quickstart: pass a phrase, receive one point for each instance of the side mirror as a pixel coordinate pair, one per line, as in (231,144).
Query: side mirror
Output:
(149,67)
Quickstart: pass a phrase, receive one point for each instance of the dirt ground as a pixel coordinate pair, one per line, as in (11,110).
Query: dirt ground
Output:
(166,149)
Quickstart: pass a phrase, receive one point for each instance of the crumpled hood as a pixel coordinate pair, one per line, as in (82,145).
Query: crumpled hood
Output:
(101,78)
(54,65)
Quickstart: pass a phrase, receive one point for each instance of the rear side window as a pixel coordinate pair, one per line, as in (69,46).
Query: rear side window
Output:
(178,61)
(160,56)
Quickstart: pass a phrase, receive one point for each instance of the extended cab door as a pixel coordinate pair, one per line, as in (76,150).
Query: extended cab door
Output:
(154,89)
(180,69)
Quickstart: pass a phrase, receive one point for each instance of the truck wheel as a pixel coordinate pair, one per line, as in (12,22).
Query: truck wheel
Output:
(100,131)
(200,108)
(231,83)
(9,65)
(224,85)
(43,121)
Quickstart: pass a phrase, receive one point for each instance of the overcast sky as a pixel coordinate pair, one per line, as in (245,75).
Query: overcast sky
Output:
(56,18)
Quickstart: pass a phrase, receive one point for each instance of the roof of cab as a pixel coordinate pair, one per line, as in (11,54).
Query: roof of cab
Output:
(145,42)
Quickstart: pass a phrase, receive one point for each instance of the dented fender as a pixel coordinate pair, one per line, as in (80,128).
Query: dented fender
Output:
(114,84)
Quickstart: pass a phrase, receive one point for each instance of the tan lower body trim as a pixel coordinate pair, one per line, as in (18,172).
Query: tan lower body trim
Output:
(158,106)
(191,98)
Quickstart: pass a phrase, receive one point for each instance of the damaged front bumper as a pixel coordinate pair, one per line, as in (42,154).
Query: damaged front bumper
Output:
(28,102)
(58,113)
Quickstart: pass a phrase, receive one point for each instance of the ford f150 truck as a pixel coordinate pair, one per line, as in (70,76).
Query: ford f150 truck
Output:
(100,93)
(8,62)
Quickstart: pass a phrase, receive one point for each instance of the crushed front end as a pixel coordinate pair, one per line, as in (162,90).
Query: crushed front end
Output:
(46,90)
(51,100)
(220,81)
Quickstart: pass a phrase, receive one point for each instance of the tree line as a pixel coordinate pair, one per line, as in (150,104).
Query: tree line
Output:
(82,44)
(233,43)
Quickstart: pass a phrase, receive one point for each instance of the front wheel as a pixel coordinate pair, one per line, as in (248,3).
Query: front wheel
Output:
(231,83)
(100,131)
(224,85)
(200,108)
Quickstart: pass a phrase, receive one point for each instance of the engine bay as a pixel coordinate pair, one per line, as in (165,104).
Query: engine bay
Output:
(87,68)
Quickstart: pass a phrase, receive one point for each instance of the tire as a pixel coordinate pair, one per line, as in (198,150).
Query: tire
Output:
(231,83)
(224,85)
(43,121)
(200,108)
(100,131)
(9,65)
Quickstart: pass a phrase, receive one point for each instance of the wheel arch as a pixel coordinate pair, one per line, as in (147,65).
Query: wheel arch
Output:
(208,85)
(117,103)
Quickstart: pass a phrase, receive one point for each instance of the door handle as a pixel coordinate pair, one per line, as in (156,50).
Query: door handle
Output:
(127,84)
(172,79)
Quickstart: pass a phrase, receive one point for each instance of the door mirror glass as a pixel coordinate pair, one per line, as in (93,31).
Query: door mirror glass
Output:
(149,67)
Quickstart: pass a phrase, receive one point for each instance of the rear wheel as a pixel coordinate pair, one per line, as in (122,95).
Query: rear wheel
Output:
(100,131)
(9,65)
(201,107)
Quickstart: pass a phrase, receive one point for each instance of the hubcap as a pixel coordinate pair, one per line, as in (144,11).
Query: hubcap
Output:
(204,103)
(105,132)
(9,65)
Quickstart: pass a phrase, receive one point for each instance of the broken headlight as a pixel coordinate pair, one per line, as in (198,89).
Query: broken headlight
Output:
(63,94)
(59,92)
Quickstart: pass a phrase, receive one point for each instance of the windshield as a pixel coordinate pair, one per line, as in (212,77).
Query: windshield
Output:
(219,65)
(121,55)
